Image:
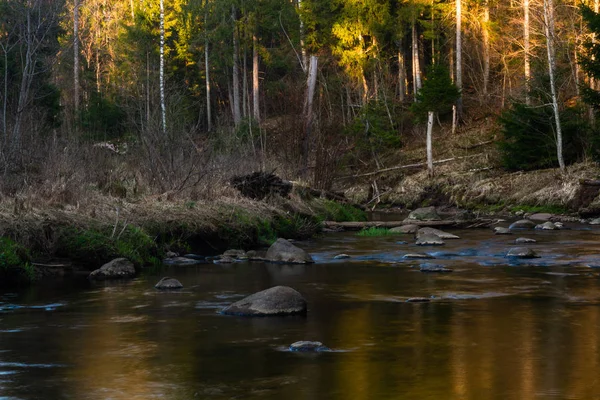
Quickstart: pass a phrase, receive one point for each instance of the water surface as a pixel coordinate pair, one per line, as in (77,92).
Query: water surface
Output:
(494,329)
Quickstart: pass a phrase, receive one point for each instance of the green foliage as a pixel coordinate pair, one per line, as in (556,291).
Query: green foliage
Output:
(339,212)
(376,231)
(438,93)
(528,140)
(12,255)
(103,119)
(373,129)
(99,246)
(590,59)
(549,208)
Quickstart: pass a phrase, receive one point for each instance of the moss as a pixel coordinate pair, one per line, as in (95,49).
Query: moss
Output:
(100,245)
(15,262)
(328,210)
(550,208)
(376,231)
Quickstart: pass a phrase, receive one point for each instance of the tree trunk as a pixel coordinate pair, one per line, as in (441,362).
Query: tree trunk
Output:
(457,110)
(430,116)
(416,68)
(549,31)
(311,85)
(76,56)
(237,114)
(255,83)
(486,48)
(304,65)
(401,74)
(207,78)
(526,51)
(163,106)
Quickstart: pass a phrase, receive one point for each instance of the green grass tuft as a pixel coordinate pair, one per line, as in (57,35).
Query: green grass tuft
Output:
(376,231)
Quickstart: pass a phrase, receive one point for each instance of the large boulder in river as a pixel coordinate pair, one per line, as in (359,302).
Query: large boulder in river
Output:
(424,214)
(437,232)
(282,251)
(119,268)
(521,252)
(429,240)
(540,217)
(406,229)
(522,224)
(276,301)
(167,283)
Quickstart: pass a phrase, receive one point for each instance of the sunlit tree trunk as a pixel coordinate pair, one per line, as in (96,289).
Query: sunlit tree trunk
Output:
(416,67)
(255,83)
(526,51)
(401,74)
(486,47)
(163,106)
(304,65)
(457,110)
(549,33)
(76,56)
(237,114)
(311,85)
(430,116)
(207,78)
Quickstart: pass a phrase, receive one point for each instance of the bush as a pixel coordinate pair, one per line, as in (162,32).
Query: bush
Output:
(15,265)
(529,143)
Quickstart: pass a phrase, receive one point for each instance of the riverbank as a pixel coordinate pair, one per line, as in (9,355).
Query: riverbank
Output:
(44,240)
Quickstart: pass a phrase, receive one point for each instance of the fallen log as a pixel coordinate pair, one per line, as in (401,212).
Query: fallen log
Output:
(589,182)
(356,226)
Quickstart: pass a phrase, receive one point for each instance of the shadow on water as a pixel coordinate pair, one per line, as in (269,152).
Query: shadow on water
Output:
(494,328)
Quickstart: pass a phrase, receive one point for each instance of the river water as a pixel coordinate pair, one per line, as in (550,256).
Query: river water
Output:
(494,329)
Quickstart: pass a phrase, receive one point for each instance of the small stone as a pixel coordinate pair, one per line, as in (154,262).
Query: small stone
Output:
(521,252)
(119,268)
(546,226)
(236,254)
(433,268)
(282,251)
(195,257)
(559,225)
(500,230)
(167,283)
(418,300)
(341,256)
(275,301)
(224,260)
(405,229)
(424,214)
(430,240)
(522,224)
(437,232)
(523,240)
(418,256)
(401,242)
(306,346)
(595,221)
(171,254)
(182,261)
(541,217)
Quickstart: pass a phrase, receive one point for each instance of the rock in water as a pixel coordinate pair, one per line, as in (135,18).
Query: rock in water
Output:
(119,268)
(341,256)
(521,252)
(433,268)
(276,301)
(418,300)
(236,254)
(522,224)
(167,283)
(417,256)
(546,226)
(437,232)
(282,251)
(542,217)
(407,229)
(424,214)
(500,230)
(306,346)
(430,240)
(523,240)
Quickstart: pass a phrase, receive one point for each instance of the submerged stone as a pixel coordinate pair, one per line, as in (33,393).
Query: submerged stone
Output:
(521,252)
(433,268)
(429,240)
(523,240)
(275,301)
(405,229)
(183,261)
(417,256)
(236,254)
(500,230)
(522,224)
(437,232)
(418,300)
(546,226)
(306,346)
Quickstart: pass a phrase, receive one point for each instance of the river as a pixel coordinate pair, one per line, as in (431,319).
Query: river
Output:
(494,329)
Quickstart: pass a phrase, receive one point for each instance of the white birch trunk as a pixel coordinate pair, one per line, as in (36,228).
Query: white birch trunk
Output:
(486,48)
(430,116)
(526,50)
(255,83)
(237,114)
(311,85)
(304,65)
(416,67)
(549,33)
(76,56)
(207,78)
(457,109)
(163,106)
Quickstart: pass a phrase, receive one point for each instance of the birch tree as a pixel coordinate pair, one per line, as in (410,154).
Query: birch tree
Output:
(163,106)
(549,33)
(76,55)
(526,51)
(457,111)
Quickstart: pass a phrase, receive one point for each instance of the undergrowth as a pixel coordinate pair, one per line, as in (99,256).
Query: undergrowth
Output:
(15,261)
(376,231)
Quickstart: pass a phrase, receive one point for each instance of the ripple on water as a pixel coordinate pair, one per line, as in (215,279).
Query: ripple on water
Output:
(124,319)
(26,365)
(5,307)
(203,305)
